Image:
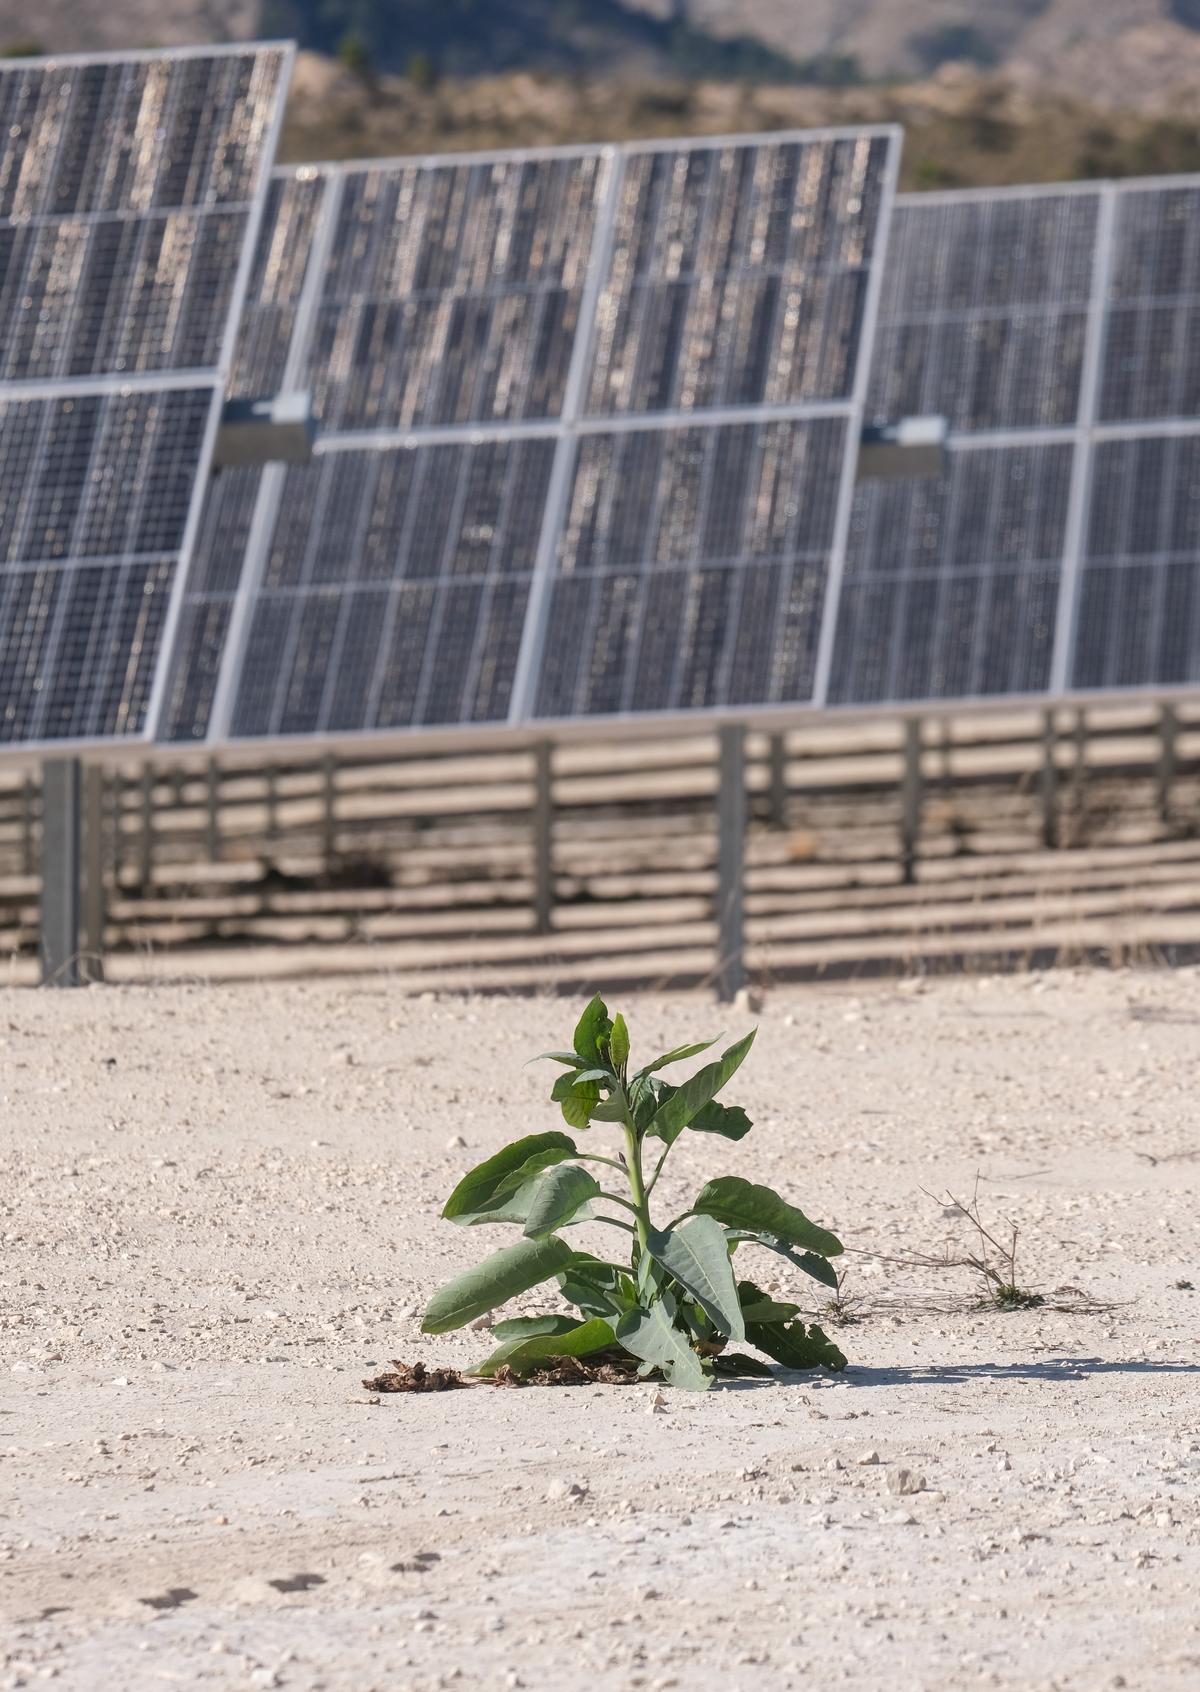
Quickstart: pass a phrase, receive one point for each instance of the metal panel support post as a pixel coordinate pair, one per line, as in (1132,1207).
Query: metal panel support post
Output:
(910,801)
(777,780)
(62,868)
(91,957)
(731,862)
(1049,779)
(1168,759)
(543,838)
(212,809)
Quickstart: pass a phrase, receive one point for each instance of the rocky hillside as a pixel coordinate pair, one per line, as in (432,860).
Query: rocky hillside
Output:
(1107,52)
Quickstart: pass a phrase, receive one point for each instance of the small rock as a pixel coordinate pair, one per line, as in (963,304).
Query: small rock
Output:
(747,1001)
(902,1483)
(868,1459)
(455,1143)
(658,1403)
(566,1489)
(482,1323)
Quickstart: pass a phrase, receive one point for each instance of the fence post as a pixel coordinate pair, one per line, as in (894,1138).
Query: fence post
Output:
(1049,781)
(146,859)
(1168,759)
(61,869)
(543,837)
(329,812)
(212,796)
(777,780)
(731,861)
(91,958)
(910,801)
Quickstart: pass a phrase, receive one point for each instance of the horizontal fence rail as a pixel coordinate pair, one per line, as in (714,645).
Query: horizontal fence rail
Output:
(983,843)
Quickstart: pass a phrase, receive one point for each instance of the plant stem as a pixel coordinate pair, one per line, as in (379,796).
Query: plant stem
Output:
(613,1223)
(637,1186)
(615,1198)
(594,1157)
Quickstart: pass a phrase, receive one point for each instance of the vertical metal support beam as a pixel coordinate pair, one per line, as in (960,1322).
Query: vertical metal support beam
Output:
(91,959)
(61,871)
(212,801)
(1168,758)
(146,859)
(28,805)
(329,811)
(272,776)
(1049,779)
(777,779)
(543,838)
(731,861)
(1079,776)
(910,801)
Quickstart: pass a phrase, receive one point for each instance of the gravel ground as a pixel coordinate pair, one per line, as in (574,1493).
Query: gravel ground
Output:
(219,1211)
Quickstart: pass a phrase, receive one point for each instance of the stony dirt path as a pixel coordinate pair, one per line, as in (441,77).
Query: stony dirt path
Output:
(218,1212)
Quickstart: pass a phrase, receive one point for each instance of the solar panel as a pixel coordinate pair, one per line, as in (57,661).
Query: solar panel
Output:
(985,309)
(613,384)
(992,307)
(130,188)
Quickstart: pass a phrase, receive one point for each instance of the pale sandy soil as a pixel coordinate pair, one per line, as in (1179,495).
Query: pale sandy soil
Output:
(219,1211)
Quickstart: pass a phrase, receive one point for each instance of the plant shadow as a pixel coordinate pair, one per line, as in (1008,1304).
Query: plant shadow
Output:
(1051,1369)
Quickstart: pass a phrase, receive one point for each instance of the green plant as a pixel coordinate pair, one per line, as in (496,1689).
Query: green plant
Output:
(674,1307)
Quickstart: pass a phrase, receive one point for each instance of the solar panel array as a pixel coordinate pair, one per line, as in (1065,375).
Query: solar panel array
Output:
(1059,552)
(588,421)
(130,188)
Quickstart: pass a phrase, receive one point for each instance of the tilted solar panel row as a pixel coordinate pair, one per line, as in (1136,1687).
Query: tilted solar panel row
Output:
(576,409)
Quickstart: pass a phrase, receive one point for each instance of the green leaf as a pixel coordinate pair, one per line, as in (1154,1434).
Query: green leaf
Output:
(739,1204)
(596,1288)
(795,1346)
(741,1363)
(677,1056)
(484,1193)
(493,1282)
(618,1043)
(578,1339)
(697,1256)
(730,1121)
(674,1115)
(526,1327)
(571,1059)
(651,1334)
(592,1031)
(645,1097)
(758,1306)
(808,1261)
(560,1196)
(577,1098)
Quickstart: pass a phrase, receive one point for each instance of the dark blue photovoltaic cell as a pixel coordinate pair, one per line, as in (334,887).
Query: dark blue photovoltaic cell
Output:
(452,292)
(94,499)
(1139,610)
(951,583)
(692,569)
(984,313)
(1151,346)
(738,275)
(125,195)
(393,594)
